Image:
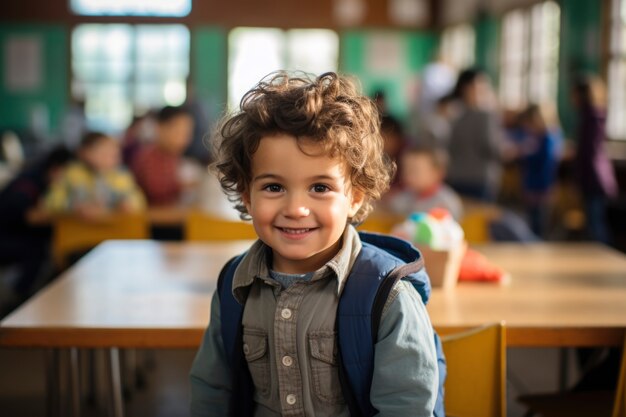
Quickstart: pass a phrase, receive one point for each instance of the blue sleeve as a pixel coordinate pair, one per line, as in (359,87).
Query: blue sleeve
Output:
(210,377)
(406,376)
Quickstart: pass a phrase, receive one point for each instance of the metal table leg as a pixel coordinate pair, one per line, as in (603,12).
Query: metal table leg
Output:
(53,382)
(74,382)
(115,385)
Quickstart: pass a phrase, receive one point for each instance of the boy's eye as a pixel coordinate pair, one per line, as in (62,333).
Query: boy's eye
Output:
(320,188)
(273,188)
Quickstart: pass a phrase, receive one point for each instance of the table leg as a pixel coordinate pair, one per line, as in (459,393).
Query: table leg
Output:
(91,377)
(563,369)
(115,384)
(53,382)
(74,382)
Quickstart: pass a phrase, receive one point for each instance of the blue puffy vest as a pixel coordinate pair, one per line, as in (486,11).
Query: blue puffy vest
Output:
(383,260)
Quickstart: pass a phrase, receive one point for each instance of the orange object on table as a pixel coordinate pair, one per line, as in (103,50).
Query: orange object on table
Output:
(476,267)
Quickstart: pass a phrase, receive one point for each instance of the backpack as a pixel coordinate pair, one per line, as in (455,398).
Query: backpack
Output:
(373,275)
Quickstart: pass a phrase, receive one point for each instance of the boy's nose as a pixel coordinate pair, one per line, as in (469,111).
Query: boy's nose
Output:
(296,208)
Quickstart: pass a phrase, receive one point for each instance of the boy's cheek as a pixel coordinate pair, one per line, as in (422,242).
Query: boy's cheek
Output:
(358,198)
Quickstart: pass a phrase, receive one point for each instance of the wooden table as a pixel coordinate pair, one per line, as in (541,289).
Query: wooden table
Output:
(149,294)
(558,295)
(125,294)
(129,294)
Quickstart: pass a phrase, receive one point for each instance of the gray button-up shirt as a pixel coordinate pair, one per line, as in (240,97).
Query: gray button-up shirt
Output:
(290,345)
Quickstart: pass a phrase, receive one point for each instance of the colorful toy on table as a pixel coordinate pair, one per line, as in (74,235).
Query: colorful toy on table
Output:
(436,229)
(441,240)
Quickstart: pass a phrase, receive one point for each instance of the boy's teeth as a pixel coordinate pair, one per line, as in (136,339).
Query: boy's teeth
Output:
(295,231)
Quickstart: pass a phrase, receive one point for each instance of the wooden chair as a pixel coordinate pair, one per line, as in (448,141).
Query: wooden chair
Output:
(619,408)
(380,222)
(72,235)
(477,215)
(600,403)
(476,381)
(200,226)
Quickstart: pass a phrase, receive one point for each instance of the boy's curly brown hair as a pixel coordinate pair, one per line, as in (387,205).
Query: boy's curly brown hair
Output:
(328,111)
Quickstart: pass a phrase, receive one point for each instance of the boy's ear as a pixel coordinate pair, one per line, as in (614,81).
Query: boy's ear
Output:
(358,197)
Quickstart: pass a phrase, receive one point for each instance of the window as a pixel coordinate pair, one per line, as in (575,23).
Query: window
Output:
(457,46)
(256,52)
(513,76)
(529,55)
(122,70)
(616,122)
(171,8)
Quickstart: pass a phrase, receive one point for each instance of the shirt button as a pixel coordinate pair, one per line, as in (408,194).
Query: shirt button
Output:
(291,399)
(286,313)
(287,360)
(246,348)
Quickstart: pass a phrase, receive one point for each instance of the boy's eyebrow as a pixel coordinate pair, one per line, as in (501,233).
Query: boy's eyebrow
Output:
(278,177)
(266,176)
(324,177)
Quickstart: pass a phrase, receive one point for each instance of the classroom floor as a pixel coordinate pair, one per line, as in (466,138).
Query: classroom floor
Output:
(22,382)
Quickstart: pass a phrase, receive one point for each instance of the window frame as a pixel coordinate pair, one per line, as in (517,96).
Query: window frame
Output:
(532,64)
(450,45)
(75,6)
(616,55)
(285,55)
(130,84)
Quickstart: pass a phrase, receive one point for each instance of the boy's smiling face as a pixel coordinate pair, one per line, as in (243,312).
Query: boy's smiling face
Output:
(299,203)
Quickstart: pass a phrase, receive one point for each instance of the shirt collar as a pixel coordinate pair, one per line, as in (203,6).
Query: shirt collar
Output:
(255,264)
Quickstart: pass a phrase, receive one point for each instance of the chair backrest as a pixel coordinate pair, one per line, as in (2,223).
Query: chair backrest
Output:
(619,409)
(72,234)
(200,226)
(476,381)
(381,222)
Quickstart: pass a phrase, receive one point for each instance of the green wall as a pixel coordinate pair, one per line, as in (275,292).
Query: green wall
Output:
(16,108)
(209,67)
(487,48)
(417,48)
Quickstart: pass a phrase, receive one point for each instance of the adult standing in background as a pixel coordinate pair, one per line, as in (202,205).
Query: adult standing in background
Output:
(594,170)
(436,80)
(476,139)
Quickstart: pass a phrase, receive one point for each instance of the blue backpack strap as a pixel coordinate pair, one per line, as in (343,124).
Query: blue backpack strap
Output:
(355,328)
(371,280)
(231,313)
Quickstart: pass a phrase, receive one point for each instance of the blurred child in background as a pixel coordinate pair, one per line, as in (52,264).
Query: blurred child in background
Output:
(158,166)
(539,151)
(22,244)
(135,136)
(96,184)
(423,172)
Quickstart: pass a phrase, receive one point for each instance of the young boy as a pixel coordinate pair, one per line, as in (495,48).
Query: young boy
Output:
(157,166)
(96,184)
(303,159)
(423,171)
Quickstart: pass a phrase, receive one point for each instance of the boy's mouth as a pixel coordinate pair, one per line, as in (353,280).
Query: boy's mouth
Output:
(295,231)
